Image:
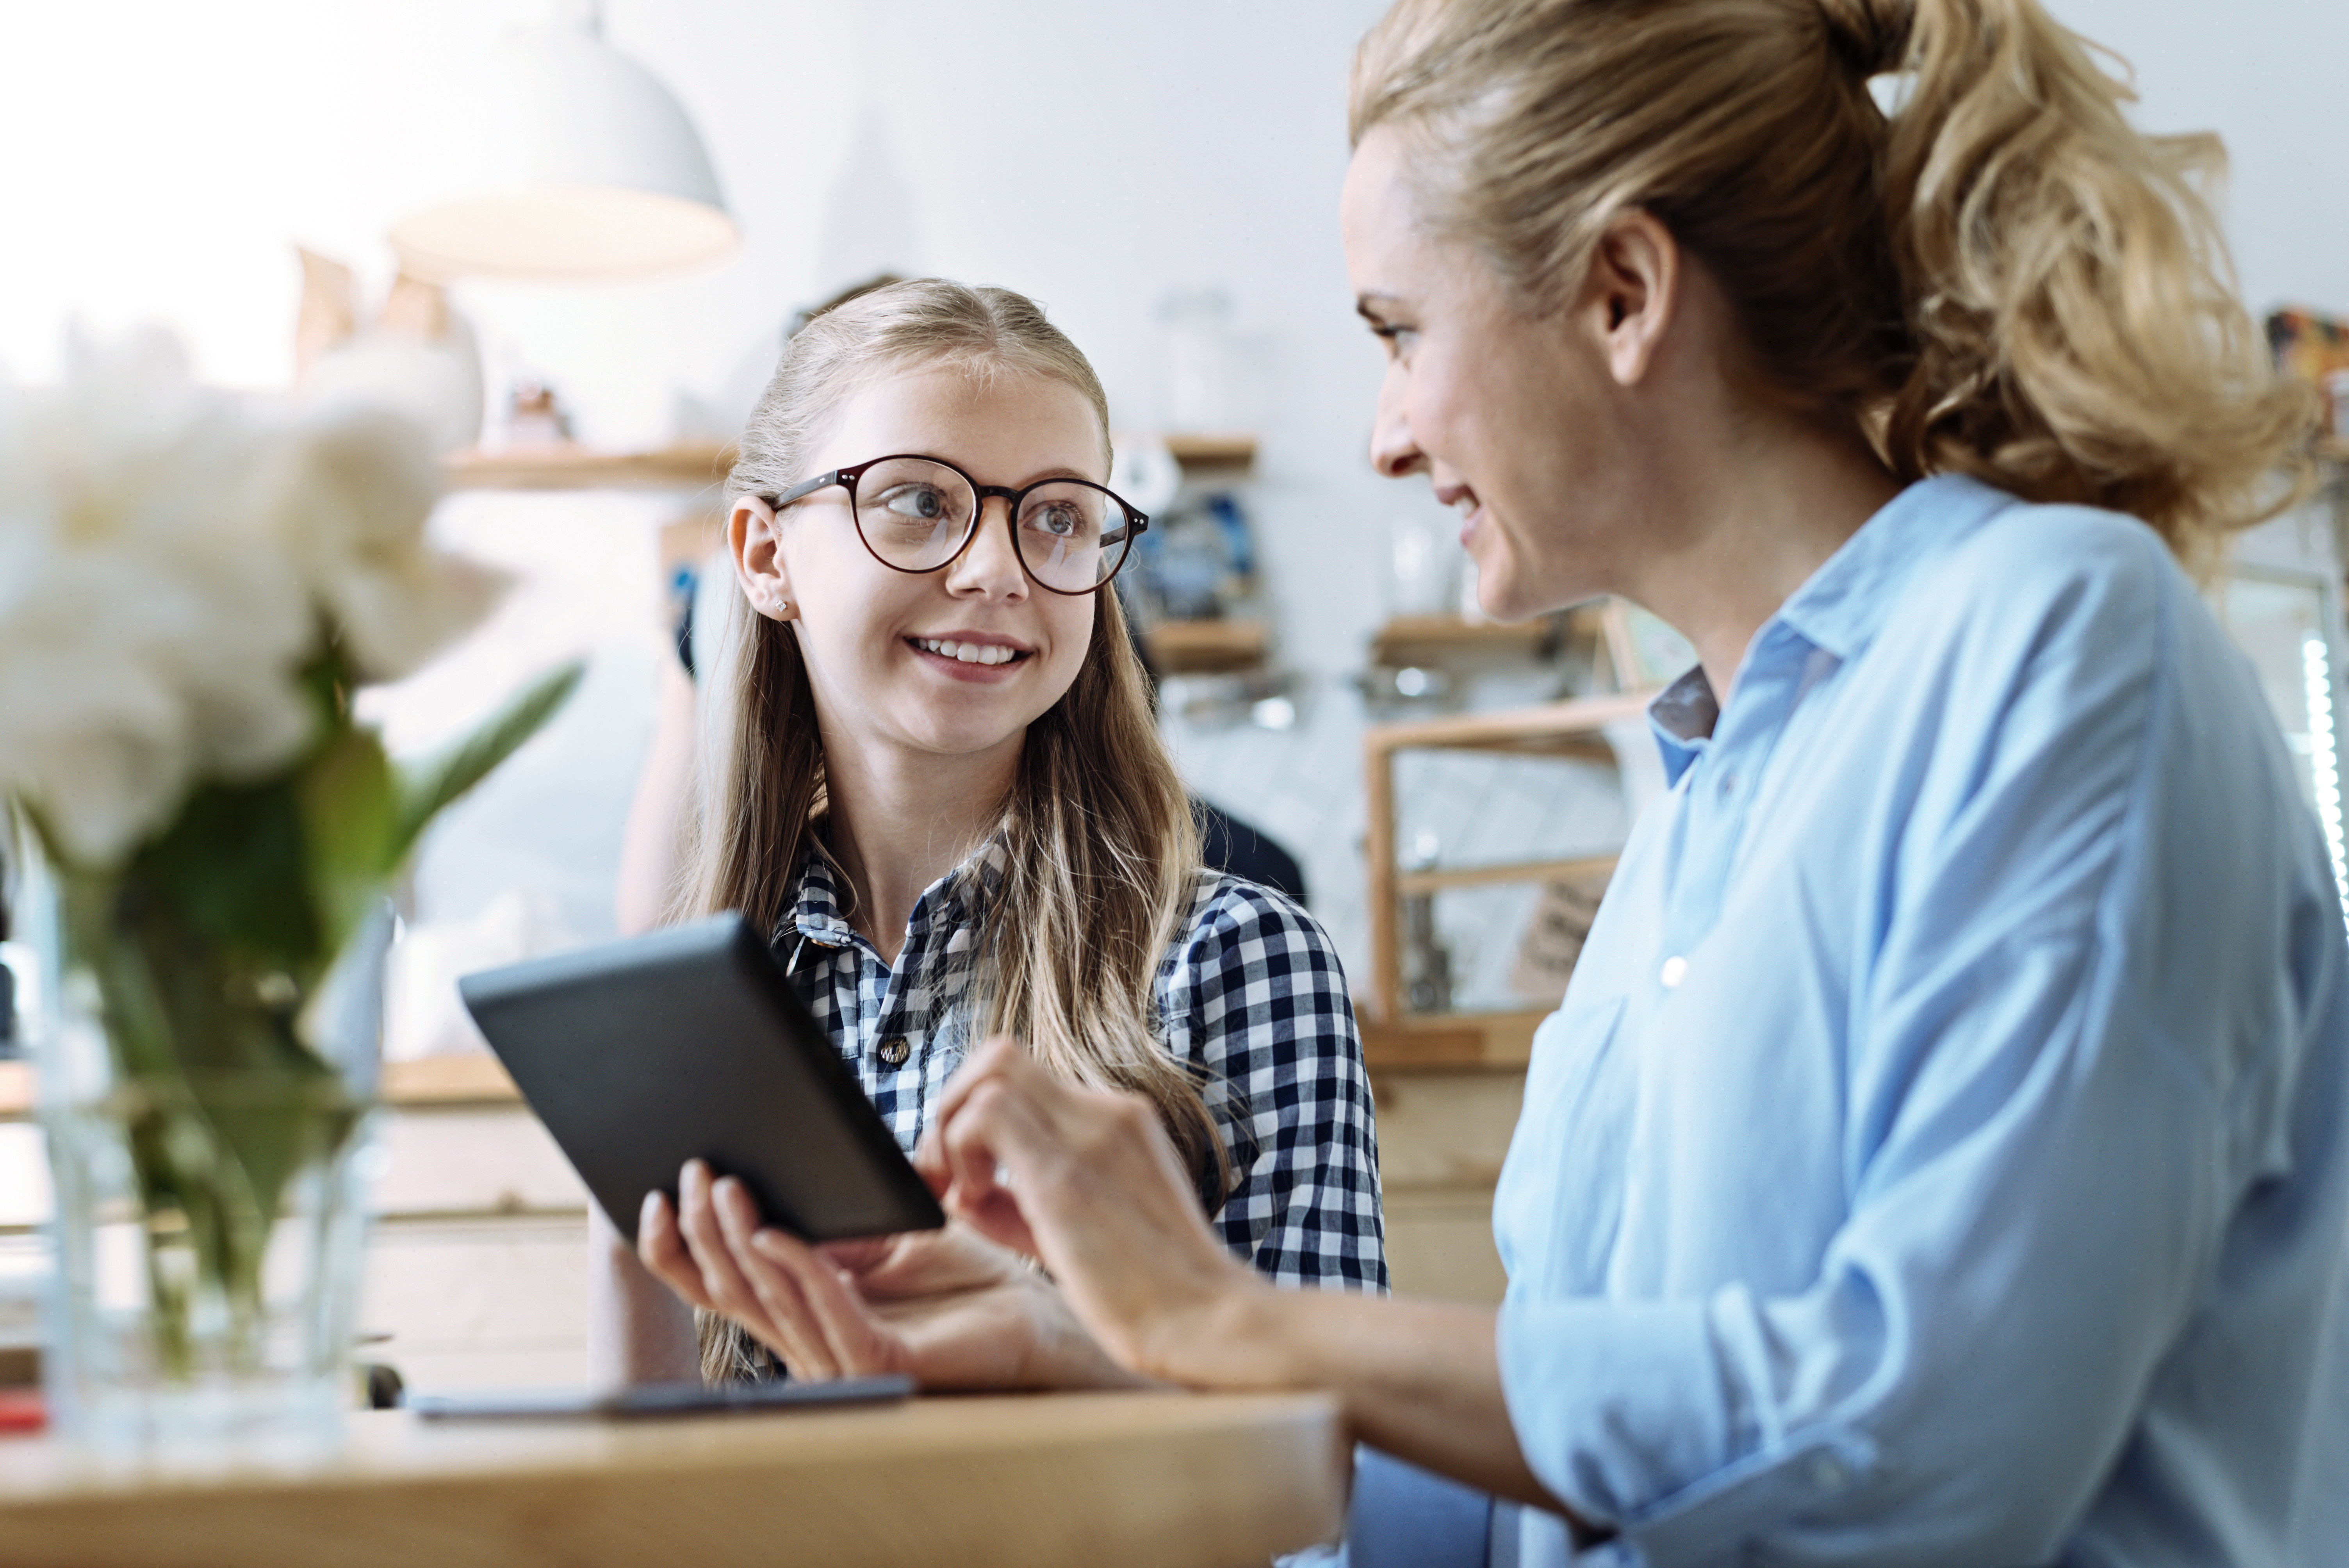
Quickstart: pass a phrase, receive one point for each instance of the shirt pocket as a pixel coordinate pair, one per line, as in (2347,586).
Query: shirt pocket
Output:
(1560,1198)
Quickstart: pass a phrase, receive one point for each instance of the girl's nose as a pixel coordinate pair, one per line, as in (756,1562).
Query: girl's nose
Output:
(990,565)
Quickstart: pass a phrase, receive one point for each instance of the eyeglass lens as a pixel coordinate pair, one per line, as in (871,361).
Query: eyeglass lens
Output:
(914,515)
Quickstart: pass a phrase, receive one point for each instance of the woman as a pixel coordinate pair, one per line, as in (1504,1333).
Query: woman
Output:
(1936,1157)
(936,779)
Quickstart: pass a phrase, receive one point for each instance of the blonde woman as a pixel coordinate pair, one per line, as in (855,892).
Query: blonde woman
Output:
(1938,1155)
(932,772)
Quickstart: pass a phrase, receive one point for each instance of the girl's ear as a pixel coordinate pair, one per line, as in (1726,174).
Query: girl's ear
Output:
(750,535)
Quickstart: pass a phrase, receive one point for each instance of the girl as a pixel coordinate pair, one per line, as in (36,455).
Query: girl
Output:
(935,776)
(1938,1155)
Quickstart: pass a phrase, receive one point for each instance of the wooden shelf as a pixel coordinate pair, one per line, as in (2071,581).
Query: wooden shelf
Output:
(688,466)
(1439,878)
(1207,648)
(1208,449)
(1409,640)
(1551,730)
(463,1078)
(693,465)
(1450,1041)
(471,1078)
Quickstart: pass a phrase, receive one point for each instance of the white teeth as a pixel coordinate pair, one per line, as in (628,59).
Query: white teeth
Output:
(967,653)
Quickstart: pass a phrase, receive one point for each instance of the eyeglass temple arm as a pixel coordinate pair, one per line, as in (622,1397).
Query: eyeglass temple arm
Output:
(821,481)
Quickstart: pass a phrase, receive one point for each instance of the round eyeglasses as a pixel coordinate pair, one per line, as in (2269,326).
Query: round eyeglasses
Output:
(917,514)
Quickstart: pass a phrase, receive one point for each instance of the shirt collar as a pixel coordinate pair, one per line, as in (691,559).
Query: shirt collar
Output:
(955,898)
(1842,605)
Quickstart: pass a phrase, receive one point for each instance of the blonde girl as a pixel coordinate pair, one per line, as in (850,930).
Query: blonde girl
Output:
(932,773)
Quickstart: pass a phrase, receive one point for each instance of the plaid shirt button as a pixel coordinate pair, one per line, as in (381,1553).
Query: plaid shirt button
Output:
(894,1050)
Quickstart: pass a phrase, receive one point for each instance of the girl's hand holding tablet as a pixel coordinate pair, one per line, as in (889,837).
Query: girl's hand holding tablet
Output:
(948,1307)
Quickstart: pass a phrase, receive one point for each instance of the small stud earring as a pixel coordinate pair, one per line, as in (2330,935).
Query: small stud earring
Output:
(781,605)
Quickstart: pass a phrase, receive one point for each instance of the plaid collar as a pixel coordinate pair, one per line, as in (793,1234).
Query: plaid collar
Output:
(955,899)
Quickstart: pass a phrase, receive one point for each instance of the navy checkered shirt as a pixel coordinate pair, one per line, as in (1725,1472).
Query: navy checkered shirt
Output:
(1250,992)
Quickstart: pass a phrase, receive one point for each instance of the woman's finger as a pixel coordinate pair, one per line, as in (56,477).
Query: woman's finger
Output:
(993,1143)
(784,1322)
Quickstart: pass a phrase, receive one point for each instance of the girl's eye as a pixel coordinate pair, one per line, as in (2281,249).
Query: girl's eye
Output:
(916,501)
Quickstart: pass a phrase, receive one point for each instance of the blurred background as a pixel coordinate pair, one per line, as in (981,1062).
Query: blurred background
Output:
(1163,178)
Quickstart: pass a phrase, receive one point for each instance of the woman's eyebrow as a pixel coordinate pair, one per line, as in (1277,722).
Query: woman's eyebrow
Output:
(1374,307)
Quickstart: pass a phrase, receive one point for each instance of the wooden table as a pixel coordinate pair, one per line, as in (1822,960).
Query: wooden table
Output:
(1145,1480)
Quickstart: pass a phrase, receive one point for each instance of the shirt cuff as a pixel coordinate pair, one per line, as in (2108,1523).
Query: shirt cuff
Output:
(1627,1412)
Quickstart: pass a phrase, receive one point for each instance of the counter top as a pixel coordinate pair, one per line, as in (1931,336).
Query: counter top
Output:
(1142,1480)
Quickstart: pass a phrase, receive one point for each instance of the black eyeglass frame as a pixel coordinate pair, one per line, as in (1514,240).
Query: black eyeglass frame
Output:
(1137,522)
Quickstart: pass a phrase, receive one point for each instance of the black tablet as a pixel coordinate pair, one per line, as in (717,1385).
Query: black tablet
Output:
(690,1043)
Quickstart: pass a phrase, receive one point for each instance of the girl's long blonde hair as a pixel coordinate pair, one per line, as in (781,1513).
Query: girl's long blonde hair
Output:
(2000,278)
(1101,856)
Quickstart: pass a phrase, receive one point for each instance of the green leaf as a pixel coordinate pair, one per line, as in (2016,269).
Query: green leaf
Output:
(232,866)
(351,810)
(425,790)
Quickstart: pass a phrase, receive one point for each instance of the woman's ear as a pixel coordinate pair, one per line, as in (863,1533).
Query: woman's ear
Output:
(750,535)
(1633,294)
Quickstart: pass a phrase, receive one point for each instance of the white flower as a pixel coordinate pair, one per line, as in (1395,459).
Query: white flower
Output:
(167,562)
(356,489)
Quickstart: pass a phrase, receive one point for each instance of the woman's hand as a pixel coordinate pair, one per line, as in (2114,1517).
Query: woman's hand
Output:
(1086,1180)
(947,1306)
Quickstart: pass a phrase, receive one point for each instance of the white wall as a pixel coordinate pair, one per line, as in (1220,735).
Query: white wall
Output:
(2267,76)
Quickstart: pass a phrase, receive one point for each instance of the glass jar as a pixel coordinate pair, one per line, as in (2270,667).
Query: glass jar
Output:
(208,1134)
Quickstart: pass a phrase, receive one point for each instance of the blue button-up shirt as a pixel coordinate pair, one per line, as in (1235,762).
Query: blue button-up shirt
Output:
(1938,1157)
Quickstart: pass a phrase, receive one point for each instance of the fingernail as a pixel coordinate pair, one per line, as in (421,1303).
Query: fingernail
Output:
(768,1241)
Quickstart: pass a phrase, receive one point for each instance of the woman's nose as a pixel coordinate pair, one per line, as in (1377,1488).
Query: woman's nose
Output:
(989,565)
(1393,452)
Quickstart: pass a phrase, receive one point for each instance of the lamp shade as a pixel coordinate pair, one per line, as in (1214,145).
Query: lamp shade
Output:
(579,167)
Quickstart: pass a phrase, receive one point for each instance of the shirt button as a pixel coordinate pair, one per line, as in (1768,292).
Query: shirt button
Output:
(1728,782)
(894,1050)
(1675,969)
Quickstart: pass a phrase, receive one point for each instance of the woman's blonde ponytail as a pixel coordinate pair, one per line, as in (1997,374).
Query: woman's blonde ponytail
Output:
(2000,278)
(2077,328)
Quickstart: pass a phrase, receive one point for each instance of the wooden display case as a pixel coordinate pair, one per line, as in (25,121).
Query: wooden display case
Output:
(1575,729)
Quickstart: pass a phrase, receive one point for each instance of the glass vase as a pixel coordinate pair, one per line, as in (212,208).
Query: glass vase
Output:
(208,1133)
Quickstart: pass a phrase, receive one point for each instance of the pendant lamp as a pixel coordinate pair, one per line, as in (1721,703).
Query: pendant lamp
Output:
(581,167)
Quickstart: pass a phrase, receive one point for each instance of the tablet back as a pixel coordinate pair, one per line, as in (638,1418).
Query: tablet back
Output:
(690,1043)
